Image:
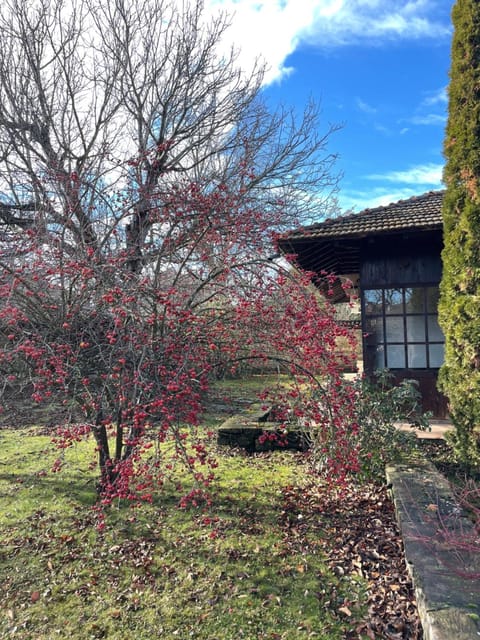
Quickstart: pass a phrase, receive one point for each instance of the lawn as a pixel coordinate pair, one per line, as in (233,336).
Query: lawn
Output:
(160,571)
(274,556)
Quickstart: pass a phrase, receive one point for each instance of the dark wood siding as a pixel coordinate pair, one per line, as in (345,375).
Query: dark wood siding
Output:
(405,261)
(401,261)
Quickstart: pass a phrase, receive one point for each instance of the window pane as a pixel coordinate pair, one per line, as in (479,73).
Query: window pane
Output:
(436,353)
(373,301)
(402,328)
(416,329)
(433,293)
(415,300)
(435,334)
(394,329)
(395,356)
(374,329)
(417,356)
(393,301)
(380,358)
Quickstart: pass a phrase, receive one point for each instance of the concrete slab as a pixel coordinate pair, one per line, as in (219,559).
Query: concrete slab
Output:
(438,429)
(445,573)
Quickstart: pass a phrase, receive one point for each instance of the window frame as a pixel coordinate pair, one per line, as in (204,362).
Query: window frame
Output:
(390,310)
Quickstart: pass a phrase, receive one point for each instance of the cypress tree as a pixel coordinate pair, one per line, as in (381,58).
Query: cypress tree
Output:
(459,308)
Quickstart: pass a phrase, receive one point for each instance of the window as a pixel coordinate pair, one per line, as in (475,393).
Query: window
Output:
(402,330)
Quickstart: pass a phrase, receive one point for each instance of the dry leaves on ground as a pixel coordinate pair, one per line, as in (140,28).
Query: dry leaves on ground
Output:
(359,535)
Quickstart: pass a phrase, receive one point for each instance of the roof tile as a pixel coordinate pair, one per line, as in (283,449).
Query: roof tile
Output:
(420,213)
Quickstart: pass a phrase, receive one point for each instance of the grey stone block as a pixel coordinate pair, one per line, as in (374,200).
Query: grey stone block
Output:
(445,571)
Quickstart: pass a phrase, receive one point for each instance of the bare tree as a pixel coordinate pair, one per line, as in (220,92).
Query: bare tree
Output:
(134,96)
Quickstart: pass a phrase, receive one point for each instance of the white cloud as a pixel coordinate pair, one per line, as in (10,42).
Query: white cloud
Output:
(363,106)
(429,119)
(381,128)
(425,175)
(393,186)
(269,29)
(273,29)
(379,20)
(359,200)
(431,111)
(436,97)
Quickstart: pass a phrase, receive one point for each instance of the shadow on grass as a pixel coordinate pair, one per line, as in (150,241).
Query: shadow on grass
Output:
(36,489)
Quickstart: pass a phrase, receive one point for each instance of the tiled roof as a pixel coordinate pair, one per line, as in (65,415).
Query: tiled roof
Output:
(418,213)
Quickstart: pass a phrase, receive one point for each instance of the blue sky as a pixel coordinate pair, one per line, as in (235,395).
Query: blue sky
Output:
(378,67)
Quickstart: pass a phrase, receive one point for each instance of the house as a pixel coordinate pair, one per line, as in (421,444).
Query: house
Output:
(392,255)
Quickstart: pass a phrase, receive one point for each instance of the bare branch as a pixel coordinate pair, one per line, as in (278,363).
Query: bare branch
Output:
(108,106)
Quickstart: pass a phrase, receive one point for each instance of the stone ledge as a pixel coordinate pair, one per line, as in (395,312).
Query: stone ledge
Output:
(245,429)
(445,577)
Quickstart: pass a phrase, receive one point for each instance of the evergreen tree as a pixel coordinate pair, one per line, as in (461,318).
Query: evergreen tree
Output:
(459,309)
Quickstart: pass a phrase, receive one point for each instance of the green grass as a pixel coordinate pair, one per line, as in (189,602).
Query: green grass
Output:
(248,387)
(159,571)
